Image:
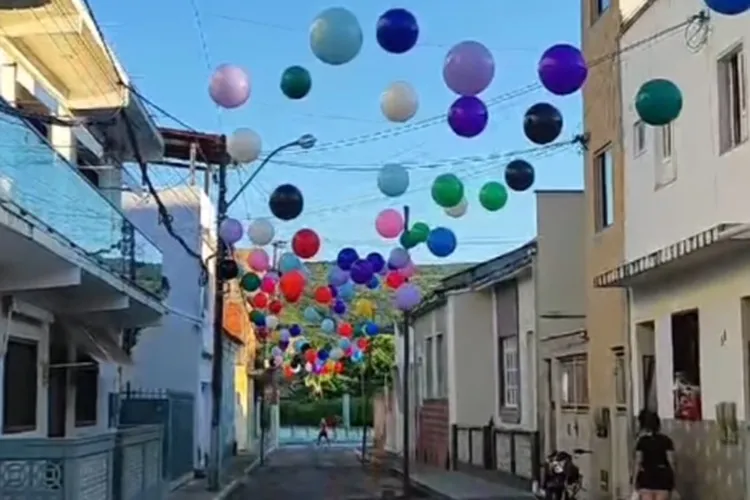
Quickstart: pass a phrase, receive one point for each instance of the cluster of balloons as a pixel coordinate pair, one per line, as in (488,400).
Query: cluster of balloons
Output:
(468,70)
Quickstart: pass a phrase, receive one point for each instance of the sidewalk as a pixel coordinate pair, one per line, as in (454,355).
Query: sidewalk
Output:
(234,472)
(455,485)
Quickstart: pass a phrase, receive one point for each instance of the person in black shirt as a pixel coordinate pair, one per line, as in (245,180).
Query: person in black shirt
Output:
(654,451)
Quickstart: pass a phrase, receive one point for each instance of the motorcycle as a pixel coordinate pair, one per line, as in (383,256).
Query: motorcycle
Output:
(561,477)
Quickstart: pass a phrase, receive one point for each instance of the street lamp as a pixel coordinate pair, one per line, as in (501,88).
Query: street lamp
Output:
(306,141)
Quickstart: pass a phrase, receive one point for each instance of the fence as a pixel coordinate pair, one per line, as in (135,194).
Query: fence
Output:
(513,454)
(172,410)
(121,465)
(291,435)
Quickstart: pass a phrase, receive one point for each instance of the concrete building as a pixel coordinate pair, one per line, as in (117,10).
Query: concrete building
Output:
(78,280)
(686,269)
(606,309)
(176,355)
(482,342)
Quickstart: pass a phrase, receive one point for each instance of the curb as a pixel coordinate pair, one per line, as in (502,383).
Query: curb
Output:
(237,482)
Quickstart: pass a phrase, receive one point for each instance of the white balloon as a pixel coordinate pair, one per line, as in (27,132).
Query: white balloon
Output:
(297,369)
(261,232)
(399,102)
(272,322)
(459,210)
(244,145)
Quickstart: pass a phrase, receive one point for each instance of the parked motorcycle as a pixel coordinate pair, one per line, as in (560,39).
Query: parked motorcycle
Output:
(561,477)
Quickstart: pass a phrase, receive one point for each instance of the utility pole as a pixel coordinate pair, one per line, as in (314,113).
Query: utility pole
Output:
(406,414)
(217,379)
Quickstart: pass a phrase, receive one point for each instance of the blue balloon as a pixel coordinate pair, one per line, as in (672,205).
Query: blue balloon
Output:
(397,31)
(328,326)
(393,180)
(295,331)
(376,261)
(374,283)
(441,242)
(299,344)
(339,307)
(345,343)
(336,36)
(311,314)
(372,329)
(283,345)
(357,356)
(728,7)
(334,291)
(289,262)
(345,259)
(337,276)
(284,335)
(323,355)
(346,291)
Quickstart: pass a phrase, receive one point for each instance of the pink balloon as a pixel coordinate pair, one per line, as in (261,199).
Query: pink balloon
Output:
(408,270)
(389,223)
(230,86)
(258,260)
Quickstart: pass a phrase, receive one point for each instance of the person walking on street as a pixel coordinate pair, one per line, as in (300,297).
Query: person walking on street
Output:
(654,478)
(323,433)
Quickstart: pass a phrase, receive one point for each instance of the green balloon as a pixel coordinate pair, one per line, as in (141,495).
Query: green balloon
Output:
(408,240)
(250,282)
(256,316)
(493,196)
(296,82)
(447,190)
(420,231)
(658,102)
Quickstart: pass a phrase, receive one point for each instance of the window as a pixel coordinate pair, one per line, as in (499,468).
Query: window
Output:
(86,379)
(429,368)
(621,387)
(598,7)
(665,142)
(639,138)
(511,373)
(575,381)
(605,190)
(20,386)
(666,169)
(442,365)
(732,100)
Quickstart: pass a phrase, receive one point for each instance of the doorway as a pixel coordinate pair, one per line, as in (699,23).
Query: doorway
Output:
(686,365)
(551,424)
(645,333)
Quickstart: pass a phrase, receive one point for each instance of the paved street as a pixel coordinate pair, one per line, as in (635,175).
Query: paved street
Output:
(316,473)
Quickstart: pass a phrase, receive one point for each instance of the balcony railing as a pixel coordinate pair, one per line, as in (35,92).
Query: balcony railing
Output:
(40,185)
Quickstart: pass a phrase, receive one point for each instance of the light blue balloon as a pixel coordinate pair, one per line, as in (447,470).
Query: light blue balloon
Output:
(298,345)
(345,343)
(337,353)
(346,291)
(289,262)
(357,356)
(328,326)
(393,180)
(311,314)
(336,36)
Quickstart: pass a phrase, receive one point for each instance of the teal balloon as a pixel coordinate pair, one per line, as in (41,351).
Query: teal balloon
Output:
(336,36)
(289,262)
(311,315)
(658,102)
(328,326)
(393,180)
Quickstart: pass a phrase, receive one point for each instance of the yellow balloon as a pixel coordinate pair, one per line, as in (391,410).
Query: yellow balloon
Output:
(364,308)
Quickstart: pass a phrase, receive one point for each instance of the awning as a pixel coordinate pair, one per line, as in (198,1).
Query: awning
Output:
(98,343)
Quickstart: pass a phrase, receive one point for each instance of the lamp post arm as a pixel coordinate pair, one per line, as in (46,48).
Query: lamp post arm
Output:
(259,169)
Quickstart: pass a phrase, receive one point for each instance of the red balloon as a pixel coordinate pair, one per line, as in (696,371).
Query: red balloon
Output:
(338,367)
(260,300)
(363,344)
(288,372)
(311,355)
(275,307)
(305,243)
(323,295)
(394,279)
(268,285)
(293,299)
(346,329)
(261,332)
(292,283)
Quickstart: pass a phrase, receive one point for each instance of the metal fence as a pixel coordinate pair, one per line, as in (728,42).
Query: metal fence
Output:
(293,435)
(173,410)
(509,453)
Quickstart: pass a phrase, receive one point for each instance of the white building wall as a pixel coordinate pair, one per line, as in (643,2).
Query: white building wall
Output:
(176,354)
(527,325)
(710,188)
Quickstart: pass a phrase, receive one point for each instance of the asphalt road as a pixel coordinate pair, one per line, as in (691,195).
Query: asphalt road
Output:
(316,473)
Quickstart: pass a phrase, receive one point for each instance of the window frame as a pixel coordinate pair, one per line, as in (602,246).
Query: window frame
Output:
(604,192)
(639,138)
(510,350)
(732,88)
(621,378)
(29,386)
(576,395)
(598,8)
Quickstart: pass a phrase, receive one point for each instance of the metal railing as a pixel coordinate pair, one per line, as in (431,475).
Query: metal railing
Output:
(38,184)
(513,453)
(306,435)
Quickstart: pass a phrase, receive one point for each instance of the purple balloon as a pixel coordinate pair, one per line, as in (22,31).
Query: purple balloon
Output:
(346,257)
(337,276)
(334,291)
(361,272)
(469,68)
(376,261)
(230,231)
(399,258)
(407,297)
(339,307)
(562,69)
(468,116)
(230,86)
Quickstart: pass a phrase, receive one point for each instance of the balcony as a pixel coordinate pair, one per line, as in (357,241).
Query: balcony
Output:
(63,245)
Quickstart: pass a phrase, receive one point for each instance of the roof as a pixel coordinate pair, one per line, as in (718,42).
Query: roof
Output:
(485,273)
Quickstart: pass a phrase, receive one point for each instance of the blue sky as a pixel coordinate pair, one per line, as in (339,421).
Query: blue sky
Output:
(170,47)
